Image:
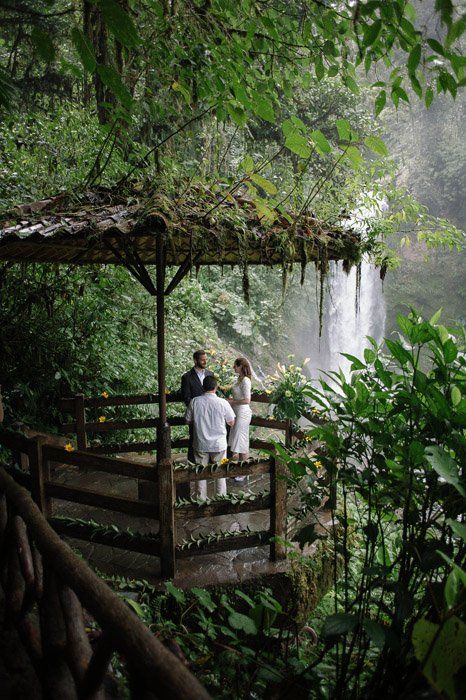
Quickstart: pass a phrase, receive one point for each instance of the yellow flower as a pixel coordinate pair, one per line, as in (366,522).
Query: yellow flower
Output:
(315,410)
(308,438)
(318,464)
(167,391)
(268,391)
(69,447)
(105,394)
(225,460)
(102,419)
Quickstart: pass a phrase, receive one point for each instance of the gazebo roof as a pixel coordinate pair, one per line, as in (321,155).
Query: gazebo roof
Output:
(206,227)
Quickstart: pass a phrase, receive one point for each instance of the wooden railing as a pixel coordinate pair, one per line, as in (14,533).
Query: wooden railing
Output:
(42,480)
(46,587)
(78,405)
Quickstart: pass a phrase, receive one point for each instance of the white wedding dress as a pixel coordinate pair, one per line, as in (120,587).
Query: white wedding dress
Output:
(239,434)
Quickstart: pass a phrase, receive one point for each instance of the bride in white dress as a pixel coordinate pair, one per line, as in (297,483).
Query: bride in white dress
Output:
(241,390)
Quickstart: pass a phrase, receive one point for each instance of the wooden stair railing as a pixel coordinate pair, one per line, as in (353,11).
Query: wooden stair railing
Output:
(46,587)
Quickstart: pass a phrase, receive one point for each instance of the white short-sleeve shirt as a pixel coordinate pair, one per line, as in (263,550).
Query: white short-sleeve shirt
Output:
(209,414)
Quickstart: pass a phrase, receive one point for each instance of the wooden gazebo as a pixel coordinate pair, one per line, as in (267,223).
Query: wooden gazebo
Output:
(139,230)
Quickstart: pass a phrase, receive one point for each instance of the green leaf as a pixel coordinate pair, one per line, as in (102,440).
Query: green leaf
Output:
(247,164)
(204,598)
(441,652)
(429,96)
(134,605)
(297,143)
(436,46)
(452,589)
(398,351)
(445,466)
(320,140)
(177,594)
(371,32)
(237,113)
(458,569)
(416,85)
(450,351)
(43,44)
(344,129)
(319,67)
(353,154)
(263,108)
(119,23)
(84,49)
(242,622)
(455,395)
(112,80)
(266,185)
(414,58)
(338,624)
(380,102)
(377,145)
(435,317)
(458,528)
(356,362)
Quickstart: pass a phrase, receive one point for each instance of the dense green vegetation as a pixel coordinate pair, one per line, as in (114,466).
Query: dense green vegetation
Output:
(286,104)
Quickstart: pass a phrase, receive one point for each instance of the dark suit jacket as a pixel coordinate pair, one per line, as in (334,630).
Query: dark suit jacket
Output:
(191,385)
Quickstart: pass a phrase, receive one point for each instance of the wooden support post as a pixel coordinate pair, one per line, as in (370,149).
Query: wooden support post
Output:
(80,413)
(40,472)
(167,518)
(288,433)
(278,510)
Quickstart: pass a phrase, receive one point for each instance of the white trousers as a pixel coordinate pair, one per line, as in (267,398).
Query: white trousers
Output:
(200,487)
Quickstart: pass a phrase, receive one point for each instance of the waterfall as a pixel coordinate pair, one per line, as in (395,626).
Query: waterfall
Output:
(349,315)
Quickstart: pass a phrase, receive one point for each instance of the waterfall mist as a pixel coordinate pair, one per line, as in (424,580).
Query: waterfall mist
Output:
(349,315)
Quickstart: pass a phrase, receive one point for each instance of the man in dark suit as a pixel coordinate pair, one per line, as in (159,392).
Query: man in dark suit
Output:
(191,386)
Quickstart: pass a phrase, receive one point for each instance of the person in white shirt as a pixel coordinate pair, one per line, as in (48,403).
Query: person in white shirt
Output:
(209,414)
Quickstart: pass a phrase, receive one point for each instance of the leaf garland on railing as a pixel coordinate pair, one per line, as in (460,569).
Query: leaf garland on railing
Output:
(233,498)
(108,530)
(228,465)
(204,539)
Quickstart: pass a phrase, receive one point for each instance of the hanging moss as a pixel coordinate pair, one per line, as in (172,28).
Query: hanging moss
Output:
(357,296)
(303,260)
(284,280)
(246,285)
(323,269)
(347,266)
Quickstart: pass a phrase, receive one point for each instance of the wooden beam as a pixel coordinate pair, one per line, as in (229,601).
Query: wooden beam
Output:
(121,504)
(222,472)
(253,539)
(110,465)
(211,510)
(120,540)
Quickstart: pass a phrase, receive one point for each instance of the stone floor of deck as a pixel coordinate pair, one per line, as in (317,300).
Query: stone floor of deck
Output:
(197,570)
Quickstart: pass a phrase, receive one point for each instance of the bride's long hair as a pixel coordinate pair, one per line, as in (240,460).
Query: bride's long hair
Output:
(244,367)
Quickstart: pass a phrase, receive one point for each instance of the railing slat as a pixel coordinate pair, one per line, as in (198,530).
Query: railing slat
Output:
(253,539)
(121,504)
(209,510)
(120,540)
(222,472)
(110,465)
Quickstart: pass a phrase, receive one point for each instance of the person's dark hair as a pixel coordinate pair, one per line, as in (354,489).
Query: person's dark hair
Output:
(197,354)
(209,383)
(244,367)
